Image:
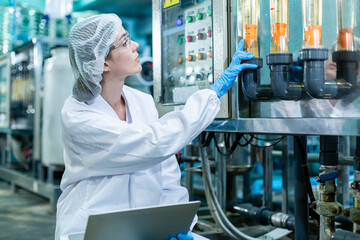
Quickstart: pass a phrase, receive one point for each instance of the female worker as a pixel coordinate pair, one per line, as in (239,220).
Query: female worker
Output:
(118,153)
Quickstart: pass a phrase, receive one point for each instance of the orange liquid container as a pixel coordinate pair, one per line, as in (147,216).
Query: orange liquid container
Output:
(312,35)
(279,26)
(312,23)
(345,10)
(278,31)
(249,12)
(250,34)
(345,39)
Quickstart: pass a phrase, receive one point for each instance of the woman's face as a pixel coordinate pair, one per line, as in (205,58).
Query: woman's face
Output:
(123,59)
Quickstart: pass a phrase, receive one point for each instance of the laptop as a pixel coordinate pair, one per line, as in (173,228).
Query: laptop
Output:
(150,223)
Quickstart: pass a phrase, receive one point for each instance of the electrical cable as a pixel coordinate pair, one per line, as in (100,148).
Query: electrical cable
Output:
(257,146)
(270,140)
(210,196)
(247,141)
(228,150)
(304,166)
(207,137)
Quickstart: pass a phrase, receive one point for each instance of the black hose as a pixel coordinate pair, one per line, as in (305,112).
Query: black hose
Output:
(304,165)
(229,150)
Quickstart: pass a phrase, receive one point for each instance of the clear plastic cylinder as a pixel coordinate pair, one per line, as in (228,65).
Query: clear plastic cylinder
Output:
(250,11)
(312,23)
(279,26)
(345,10)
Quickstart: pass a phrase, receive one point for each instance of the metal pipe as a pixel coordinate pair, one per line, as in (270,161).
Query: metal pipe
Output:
(301,198)
(343,171)
(354,213)
(189,179)
(326,206)
(216,210)
(356,228)
(344,235)
(220,176)
(314,157)
(285,177)
(265,216)
(268,173)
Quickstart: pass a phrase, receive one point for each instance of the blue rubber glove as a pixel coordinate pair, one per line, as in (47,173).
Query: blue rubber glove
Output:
(227,78)
(182,236)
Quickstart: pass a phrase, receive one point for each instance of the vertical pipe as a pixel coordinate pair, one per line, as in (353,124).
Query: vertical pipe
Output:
(291,180)
(251,157)
(343,171)
(268,172)
(301,198)
(247,187)
(285,176)
(189,176)
(231,189)
(356,227)
(329,162)
(221,179)
(189,179)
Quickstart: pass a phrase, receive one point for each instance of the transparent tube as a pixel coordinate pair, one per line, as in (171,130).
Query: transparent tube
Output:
(250,10)
(279,26)
(312,23)
(345,10)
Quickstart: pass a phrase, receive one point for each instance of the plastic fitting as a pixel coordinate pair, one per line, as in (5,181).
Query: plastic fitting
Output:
(347,63)
(251,86)
(281,84)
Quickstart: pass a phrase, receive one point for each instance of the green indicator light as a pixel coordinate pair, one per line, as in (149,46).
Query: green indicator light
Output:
(209,12)
(199,16)
(189,19)
(179,41)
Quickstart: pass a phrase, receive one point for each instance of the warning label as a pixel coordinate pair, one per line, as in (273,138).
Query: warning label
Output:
(170,3)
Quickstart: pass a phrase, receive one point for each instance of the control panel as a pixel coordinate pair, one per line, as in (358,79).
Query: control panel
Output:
(187,64)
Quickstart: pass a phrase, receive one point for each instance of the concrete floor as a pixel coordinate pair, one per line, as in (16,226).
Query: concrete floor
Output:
(24,216)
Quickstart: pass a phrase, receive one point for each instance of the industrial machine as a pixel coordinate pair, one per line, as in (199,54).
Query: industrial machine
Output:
(309,88)
(27,104)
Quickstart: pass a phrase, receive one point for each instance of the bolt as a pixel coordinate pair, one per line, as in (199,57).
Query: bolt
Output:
(317,179)
(353,185)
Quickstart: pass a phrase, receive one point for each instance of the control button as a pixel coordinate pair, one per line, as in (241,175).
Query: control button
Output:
(209,33)
(199,56)
(179,21)
(179,40)
(199,36)
(209,54)
(199,16)
(189,38)
(200,76)
(189,19)
(189,58)
(179,60)
(209,12)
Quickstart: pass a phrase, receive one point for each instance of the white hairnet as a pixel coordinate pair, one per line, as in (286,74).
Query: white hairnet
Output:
(89,44)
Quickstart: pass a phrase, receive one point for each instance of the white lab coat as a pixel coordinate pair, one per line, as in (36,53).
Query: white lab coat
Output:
(112,165)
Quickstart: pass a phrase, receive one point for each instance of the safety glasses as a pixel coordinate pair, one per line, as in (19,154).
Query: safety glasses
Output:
(124,42)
